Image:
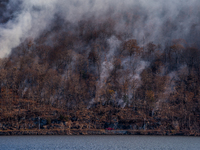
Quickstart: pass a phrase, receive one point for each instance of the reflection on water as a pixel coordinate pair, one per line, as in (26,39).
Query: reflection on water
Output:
(99,142)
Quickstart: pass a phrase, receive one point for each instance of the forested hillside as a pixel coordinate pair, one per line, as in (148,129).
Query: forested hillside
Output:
(103,71)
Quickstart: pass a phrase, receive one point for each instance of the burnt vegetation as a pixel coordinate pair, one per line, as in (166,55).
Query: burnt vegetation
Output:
(89,76)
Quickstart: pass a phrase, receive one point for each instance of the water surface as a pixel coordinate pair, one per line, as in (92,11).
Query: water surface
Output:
(102,142)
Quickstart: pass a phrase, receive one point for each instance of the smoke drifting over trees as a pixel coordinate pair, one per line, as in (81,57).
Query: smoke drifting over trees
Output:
(139,54)
(156,21)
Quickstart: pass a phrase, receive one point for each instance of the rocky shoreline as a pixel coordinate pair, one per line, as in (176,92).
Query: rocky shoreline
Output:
(97,132)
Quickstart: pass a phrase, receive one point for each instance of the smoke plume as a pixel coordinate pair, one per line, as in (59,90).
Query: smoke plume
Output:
(153,20)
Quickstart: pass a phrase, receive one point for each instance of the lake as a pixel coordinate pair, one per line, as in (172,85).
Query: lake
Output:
(99,142)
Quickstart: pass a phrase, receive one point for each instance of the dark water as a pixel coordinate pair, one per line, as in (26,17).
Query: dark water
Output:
(99,142)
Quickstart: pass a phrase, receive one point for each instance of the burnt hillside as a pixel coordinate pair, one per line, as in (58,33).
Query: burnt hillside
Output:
(103,70)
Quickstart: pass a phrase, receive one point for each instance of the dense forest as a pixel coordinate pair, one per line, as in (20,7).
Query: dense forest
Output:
(96,73)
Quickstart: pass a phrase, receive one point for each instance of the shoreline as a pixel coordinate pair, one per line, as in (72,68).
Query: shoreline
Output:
(97,132)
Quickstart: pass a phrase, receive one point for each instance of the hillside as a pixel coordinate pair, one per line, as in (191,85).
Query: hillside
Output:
(122,69)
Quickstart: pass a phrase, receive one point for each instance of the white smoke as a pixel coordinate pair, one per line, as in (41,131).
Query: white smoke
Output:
(34,17)
(107,65)
(149,19)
